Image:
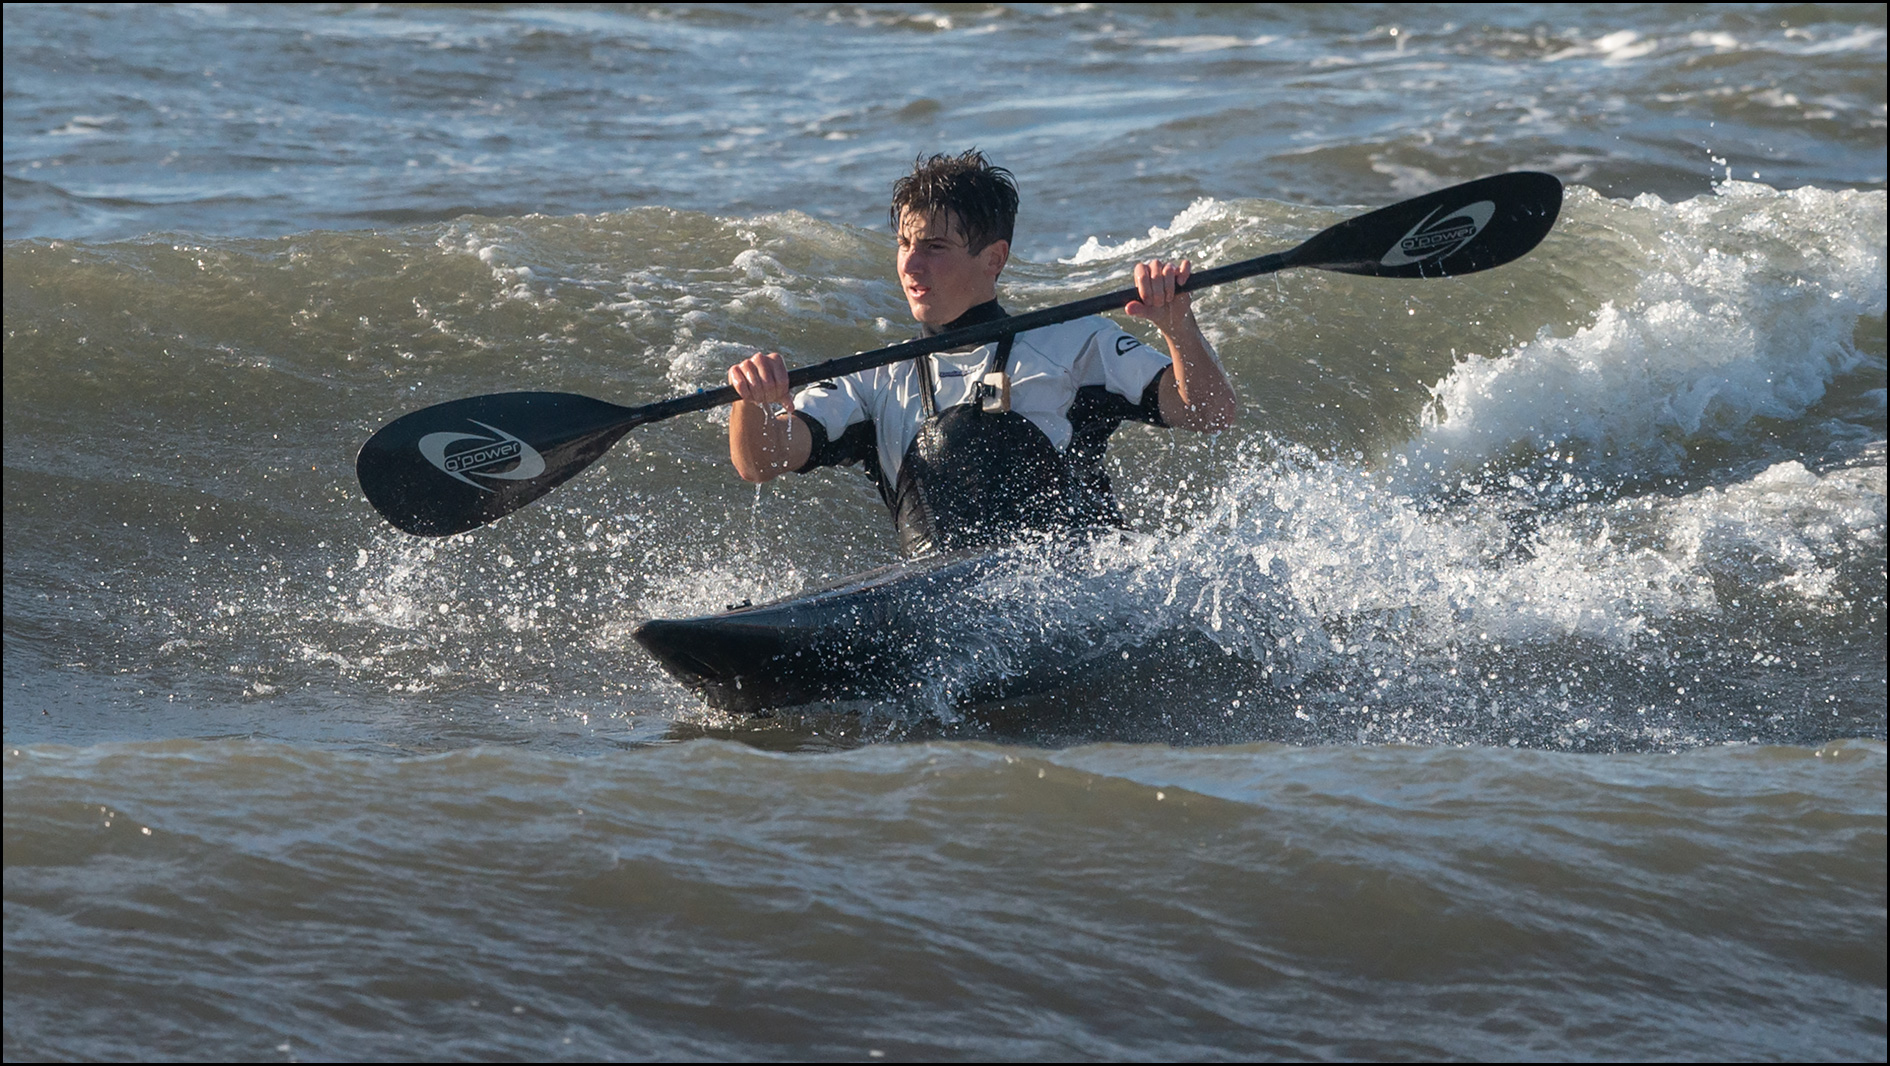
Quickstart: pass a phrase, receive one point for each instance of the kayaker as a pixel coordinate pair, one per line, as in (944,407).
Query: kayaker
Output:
(973,447)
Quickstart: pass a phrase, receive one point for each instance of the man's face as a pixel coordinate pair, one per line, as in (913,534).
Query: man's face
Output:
(941,277)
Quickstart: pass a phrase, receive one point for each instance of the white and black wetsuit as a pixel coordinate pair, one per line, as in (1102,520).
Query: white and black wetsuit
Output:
(956,475)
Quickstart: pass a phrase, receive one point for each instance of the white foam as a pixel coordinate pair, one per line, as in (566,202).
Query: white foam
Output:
(1745,309)
(1406,180)
(1864,39)
(1211,42)
(84,126)
(1783,529)
(1202,211)
(1717,40)
(700,363)
(1305,561)
(1614,49)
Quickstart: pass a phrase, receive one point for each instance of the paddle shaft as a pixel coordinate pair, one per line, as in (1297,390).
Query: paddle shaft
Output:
(962,338)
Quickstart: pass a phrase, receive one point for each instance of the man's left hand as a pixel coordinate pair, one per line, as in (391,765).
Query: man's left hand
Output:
(1155,284)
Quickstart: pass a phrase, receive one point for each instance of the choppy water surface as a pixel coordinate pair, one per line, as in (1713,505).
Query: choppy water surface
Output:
(957,901)
(1511,682)
(241,120)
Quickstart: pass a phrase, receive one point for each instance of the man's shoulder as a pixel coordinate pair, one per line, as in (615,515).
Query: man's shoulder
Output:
(1067,341)
(1070,338)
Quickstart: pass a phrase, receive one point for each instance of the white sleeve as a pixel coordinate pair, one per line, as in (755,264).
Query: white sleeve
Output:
(1115,358)
(836,404)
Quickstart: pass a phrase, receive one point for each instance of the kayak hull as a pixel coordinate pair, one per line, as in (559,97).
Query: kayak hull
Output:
(884,634)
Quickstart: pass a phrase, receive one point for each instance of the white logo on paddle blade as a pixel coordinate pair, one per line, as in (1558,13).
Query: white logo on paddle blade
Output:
(486,452)
(1458,228)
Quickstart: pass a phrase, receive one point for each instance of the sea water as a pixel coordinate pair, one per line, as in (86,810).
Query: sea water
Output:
(1510,682)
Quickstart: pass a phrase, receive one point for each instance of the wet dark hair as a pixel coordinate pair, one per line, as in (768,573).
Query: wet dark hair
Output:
(966,189)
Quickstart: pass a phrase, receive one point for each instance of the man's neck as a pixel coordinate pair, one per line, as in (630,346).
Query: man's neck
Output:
(983,312)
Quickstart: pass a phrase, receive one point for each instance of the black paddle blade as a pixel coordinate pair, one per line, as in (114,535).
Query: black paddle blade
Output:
(1460,230)
(456,466)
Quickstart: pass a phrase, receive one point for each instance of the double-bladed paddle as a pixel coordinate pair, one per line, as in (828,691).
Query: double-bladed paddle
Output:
(458,465)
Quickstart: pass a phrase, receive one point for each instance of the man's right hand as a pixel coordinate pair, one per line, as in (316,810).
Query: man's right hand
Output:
(762,445)
(762,379)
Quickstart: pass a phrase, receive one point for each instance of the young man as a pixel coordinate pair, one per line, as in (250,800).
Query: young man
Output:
(972,447)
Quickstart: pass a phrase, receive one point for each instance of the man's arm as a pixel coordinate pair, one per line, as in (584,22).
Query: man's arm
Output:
(763,447)
(1195,394)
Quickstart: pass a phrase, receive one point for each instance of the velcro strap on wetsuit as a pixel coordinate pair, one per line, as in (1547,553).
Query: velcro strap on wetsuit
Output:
(994,388)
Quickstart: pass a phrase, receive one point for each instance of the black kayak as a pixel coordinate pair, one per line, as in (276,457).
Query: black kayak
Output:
(908,630)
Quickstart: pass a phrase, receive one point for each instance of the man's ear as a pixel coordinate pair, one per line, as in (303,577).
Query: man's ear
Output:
(995,255)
